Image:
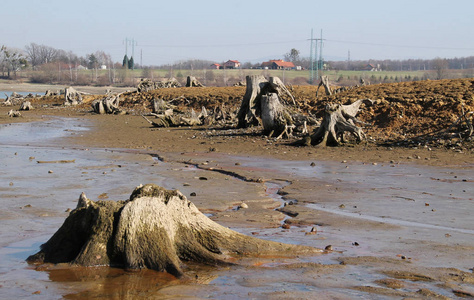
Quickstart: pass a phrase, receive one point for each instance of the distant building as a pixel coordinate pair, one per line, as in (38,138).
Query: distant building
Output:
(278,64)
(216,66)
(103,67)
(232,64)
(372,68)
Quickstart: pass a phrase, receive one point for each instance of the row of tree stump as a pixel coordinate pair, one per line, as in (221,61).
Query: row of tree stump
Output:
(266,103)
(262,105)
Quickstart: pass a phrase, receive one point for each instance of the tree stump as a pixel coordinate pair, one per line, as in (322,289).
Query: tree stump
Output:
(50,93)
(72,97)
(170,83)
(325,83)
(275,118)
(156,228)
(146,85)
(26,106)
(250,109)
(337,120)
(108,105)
(14,113)
(250,106)
(191,81)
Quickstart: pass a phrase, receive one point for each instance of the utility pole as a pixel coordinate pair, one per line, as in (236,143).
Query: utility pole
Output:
(133,47)
(348,60)
(126,46)
(316,63)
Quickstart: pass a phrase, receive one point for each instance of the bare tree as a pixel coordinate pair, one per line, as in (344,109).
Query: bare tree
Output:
(32,51)
(293,55)
(41,54)
(440,65)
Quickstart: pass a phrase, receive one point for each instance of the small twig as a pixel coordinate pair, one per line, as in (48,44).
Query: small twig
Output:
(152,123)
(56,161)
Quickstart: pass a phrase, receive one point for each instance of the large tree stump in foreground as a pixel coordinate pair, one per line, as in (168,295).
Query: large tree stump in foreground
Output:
(251,108)
(337,120)
(156,229)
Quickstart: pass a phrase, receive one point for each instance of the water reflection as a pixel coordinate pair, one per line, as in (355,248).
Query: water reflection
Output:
(112,283)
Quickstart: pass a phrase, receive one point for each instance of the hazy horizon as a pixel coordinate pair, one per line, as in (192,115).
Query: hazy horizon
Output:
(248,31)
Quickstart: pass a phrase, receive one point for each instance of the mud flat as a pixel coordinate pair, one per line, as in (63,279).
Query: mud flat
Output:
(397,229)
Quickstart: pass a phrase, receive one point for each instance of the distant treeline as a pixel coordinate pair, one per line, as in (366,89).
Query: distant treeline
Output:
(406,64)
(382,65)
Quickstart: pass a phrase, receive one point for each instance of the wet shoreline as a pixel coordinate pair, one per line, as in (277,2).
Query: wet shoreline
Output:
(34,204)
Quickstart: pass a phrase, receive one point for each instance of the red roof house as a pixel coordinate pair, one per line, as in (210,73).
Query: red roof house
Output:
(232,64)
(278,64)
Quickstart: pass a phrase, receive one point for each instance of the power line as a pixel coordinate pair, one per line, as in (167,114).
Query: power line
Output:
(224,45)
(400,46)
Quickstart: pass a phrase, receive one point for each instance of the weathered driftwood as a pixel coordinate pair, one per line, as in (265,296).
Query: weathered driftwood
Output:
(170,83)
(26,106)
(191,81)
(337,120)
(325,83)
(250,109)
(14,113)
(62,161)
(13,99)
(49,93)
(146,85)
(72,96)
(7,101)
(157,229)
(162,121)
(162,107)
(167,118)
(108,105)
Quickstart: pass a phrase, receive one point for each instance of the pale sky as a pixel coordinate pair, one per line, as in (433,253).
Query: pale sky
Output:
(244,30)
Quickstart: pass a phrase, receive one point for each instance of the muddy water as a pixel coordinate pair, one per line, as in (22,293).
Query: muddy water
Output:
(381,211)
